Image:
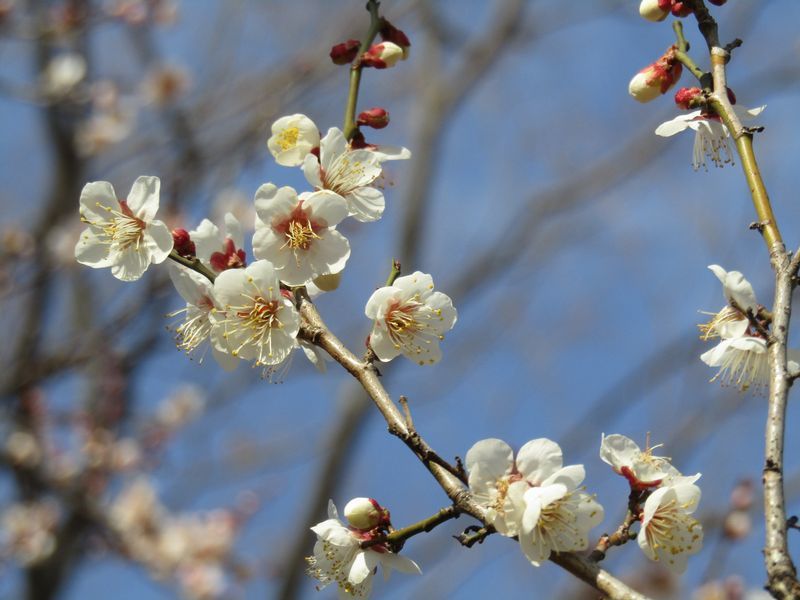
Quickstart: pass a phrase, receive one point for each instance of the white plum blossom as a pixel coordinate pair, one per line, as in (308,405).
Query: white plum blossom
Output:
(62,74)
(217,249)
(558,516)
(669,533)
(741,355)
(640,467)
(533,496)
(122,234)
(198,292)
(293,138)
(711,135)
(28,531)
(339,558)
(298,234)
(351,173)
(410,318)
(257,321)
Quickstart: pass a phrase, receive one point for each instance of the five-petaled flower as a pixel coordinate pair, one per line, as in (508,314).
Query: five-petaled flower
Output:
(711,135)
(339,558)
(351,173)
(122,234)
(298,235)
(410,318)
(256,321)
(669,533)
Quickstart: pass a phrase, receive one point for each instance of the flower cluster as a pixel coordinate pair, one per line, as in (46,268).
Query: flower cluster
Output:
(349,555)
(194,547)
(533,496)
(741,325)
(662,500)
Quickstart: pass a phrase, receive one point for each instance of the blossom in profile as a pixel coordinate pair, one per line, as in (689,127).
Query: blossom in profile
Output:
(669,533)
(297,234)
(194,332)
(711,136)
(339,558)
(257,322)
(122,234)
(410,318)
(351,172)
(293,137)
(640,467)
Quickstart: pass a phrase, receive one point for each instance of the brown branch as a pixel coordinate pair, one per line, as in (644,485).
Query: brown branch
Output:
(315,331)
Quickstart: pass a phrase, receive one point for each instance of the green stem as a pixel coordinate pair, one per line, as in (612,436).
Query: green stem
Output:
(682,56)
(398,536)
(194,264)
(355,70)
(394,273)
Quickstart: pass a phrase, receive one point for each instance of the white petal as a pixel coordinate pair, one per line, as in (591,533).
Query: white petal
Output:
(143,198)
(92,250)
(326,207)
(366,204)
(618,450)
(538,459)
(383,346)
(159,241)
(495,457)
(97,198)
(676,125)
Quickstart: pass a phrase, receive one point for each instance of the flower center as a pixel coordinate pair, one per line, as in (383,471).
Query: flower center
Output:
(672,529)
(123,229)
(346,175)
(557,522)
(231,258)
(287,139)
(727,315)
(299,235)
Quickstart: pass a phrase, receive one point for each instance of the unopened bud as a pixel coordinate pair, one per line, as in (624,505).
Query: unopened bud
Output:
(383,55)
(328,283)
(652,10)
(687,98)
(390,33)
(344,53)
(377,118)
(656,79)
(681,9)
(183,243)
(365,514)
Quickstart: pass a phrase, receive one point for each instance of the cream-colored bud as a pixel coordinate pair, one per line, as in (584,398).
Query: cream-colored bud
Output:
(650,10)
(363,513)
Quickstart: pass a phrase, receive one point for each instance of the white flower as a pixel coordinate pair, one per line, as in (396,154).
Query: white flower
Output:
(640,468)
(298,235)
(198,292)
(349,173)
(410,318)
(711,137)
(669,533)
(218,250)
(258,322)
(62,74)
(28,531)
(558,517)
(122,234)
(293,138)
(498,481)
(338,558)
(742,362)
(731,321)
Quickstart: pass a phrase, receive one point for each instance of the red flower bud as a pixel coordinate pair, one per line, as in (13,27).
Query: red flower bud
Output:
(665,5)
(383,55)
(182,243)
(681,9)
(687,98)
(377,118)
(390,33)
(345,53)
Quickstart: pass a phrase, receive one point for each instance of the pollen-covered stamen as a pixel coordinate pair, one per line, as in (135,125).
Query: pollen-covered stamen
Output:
(711,141)
(672,529)
(502,492)
(287,139)
(345,175)
(256,319)
(557,521)
(409,324)
(726,316)
(122,230)
(744,368)
(196,327)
